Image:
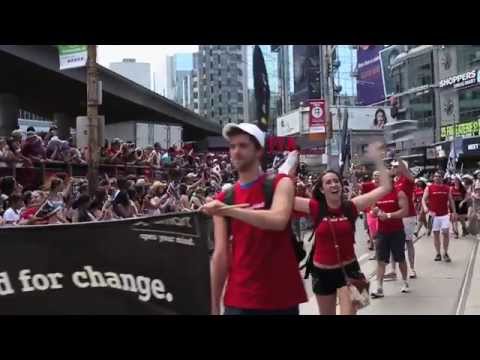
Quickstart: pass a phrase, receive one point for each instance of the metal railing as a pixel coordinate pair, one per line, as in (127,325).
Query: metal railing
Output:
(37,174)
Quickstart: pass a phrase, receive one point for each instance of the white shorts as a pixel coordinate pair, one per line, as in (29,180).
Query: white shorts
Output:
(441,223)
(410,225)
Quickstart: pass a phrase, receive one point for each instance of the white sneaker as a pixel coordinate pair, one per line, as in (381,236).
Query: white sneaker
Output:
(405,288)
(377,294)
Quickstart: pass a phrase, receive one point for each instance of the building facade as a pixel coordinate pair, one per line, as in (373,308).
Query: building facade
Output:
(220,83)
(136,71)
(179,79)
(410,76)
(458,100)
(439,87)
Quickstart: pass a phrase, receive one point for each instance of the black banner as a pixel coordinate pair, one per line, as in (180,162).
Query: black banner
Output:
(154,265)
(261,89)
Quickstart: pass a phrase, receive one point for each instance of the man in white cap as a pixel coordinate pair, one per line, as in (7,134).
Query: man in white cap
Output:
(404,181)
(262,269)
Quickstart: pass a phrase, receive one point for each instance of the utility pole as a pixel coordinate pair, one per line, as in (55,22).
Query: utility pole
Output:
(92,115)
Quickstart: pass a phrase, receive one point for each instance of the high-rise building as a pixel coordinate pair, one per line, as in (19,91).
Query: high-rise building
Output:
(179,78)
(136,71)
(220,83)
(346,55)
(285,77)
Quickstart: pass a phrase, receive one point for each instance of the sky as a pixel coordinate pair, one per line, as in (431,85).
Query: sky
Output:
(156,55)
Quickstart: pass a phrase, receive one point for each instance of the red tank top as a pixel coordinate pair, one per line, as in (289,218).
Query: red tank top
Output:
(438,199)
(325,252)
(389,204)
(456,194)
(418,194)
(407,186)
(263,272)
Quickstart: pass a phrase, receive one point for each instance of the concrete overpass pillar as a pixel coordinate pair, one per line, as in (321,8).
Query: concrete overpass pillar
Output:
(9,108)
(64,122)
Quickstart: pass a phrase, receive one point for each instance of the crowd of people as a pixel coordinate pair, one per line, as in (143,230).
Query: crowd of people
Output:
(253,238)
(32,147)
(188,180)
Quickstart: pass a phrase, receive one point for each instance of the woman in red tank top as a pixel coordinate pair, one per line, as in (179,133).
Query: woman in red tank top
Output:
(420,185)
(459,197)
(328,279)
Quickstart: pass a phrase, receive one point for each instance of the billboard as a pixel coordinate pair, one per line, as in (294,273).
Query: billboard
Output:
(387,57)
(362,117)
(370,89)
(306,66)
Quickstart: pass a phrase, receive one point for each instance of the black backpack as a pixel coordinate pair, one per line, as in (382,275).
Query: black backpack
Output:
(347,209)
(268,191)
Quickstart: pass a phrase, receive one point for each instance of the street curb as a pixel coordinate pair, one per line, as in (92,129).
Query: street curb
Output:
(467,280)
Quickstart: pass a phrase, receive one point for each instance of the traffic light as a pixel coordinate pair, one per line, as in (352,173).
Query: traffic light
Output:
(314,84)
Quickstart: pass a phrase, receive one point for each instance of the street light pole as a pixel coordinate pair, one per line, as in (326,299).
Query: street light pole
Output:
(92,115)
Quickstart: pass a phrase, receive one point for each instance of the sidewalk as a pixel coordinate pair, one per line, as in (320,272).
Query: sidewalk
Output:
(436,291)
(472,306)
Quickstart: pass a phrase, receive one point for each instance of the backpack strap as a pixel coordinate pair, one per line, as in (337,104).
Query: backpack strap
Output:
(229,196)
(316,222)
(268,190)
(229,200)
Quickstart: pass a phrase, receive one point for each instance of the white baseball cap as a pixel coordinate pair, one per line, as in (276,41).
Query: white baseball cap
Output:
(250,129)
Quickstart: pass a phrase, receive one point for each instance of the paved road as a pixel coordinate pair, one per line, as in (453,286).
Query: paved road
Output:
(441,288)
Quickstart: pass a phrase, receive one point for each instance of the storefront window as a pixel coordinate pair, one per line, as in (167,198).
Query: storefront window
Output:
(469,104)
(420,71)
(421,109)
(468,58)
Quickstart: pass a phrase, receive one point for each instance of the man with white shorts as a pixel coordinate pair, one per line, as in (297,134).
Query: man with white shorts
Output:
(436,200)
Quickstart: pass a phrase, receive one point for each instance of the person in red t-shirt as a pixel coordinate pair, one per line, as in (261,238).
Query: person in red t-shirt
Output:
(391,236)
(405,182)
(436,200)
(262,269)
(328,279)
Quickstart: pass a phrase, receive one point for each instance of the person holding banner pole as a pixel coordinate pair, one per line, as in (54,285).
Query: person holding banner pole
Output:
(260,262)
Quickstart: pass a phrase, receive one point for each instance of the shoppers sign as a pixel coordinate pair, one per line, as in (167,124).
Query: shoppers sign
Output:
(317,117)
(463,80)
(72,56)
(471,128)
(152,265)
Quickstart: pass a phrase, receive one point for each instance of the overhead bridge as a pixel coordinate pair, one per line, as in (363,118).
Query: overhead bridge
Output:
(30,80)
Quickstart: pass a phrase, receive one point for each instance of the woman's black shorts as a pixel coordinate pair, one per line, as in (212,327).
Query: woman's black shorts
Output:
(461,210)
(327,281)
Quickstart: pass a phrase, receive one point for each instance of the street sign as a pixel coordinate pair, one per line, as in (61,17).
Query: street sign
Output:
(72,56)
(398,131)
(317,118)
